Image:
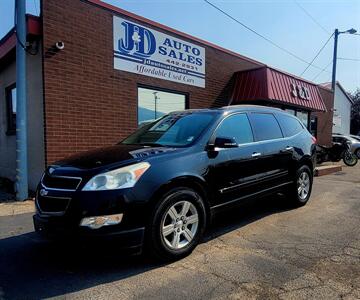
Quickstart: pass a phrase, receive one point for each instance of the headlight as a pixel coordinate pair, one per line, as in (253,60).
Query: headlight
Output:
(122,178)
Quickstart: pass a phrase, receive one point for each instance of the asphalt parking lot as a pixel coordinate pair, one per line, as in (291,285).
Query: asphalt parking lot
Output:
(262,250)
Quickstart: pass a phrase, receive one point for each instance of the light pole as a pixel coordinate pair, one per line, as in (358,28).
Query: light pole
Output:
(156,98)
(336,35)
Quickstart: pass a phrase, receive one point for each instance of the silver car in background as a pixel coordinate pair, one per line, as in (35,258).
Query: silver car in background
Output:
(354,140)
(356,137)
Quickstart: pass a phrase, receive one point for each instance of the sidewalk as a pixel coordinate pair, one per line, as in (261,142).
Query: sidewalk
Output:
(8,205)
(11,208)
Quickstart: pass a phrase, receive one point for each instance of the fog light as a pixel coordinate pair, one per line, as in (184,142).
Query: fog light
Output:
(100,221)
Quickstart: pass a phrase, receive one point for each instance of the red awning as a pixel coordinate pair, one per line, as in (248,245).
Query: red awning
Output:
(276,86)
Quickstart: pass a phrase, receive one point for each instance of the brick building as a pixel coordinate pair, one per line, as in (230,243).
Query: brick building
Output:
(96,72)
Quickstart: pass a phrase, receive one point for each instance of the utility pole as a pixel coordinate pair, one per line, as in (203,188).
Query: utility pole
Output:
(336,35)
(21,103)
(333,81)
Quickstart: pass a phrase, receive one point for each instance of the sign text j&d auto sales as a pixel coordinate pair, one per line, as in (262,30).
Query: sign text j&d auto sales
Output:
(145,51)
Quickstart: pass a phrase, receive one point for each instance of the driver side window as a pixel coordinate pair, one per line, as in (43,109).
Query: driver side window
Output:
(238,127)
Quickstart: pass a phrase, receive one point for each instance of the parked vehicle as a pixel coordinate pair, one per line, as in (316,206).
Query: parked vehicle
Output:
(160,186)
(336,152)
(356,137)
(353,142)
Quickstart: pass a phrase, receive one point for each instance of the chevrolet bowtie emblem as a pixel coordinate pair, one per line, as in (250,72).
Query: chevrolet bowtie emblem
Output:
(43,192)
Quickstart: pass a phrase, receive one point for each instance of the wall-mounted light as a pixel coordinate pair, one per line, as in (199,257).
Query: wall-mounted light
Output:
(60,45)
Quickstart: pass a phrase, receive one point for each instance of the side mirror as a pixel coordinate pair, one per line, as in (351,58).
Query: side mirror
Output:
(225,142)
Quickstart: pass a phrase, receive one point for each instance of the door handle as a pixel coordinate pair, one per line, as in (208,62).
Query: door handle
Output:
(287,149)
(256,154)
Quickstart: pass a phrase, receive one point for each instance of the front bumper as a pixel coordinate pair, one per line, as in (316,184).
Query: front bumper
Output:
(60,228)
(59,213)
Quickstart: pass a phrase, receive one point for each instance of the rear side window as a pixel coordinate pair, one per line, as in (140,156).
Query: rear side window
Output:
(265,126)
(289,125)
(237,127)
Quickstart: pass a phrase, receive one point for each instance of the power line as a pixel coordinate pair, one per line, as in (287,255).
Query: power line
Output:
(351,59)
(311,17)
(260,35)
(323,70)
(317,54)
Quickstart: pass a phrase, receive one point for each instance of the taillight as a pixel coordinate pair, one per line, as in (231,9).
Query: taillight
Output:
(313,139)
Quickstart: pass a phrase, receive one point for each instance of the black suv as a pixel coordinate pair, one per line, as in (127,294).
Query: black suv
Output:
(160,186)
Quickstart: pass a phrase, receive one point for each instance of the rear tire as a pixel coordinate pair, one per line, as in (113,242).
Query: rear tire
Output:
(300,191)
(177,224)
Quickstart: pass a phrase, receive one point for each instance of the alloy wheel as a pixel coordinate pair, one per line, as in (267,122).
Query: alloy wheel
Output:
(180,224)
(303,185)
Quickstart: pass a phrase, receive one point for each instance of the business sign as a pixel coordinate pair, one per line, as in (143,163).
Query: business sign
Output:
(300,91)
(145,51)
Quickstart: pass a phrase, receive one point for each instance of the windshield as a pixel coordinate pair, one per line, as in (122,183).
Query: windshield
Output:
(176,129)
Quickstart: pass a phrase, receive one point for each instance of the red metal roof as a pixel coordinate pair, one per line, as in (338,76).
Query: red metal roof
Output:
(33,25)
(270,84)
(7,43)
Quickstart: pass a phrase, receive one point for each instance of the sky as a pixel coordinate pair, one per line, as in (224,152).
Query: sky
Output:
(284,22)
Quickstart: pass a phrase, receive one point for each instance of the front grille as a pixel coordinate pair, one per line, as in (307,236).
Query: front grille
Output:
(52,204)
(60,182)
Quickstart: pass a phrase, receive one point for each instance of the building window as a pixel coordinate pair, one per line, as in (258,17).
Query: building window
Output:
(290,111)
(153,104)
(10,93)
(313,125)
(303,117)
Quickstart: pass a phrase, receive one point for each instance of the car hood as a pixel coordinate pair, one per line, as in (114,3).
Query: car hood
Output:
(118,154)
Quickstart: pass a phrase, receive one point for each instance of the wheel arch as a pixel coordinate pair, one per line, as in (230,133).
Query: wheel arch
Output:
(190,181)
(307,161)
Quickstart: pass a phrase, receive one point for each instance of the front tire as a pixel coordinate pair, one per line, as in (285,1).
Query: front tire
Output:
(177,224)
(350,159)
(300,191)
